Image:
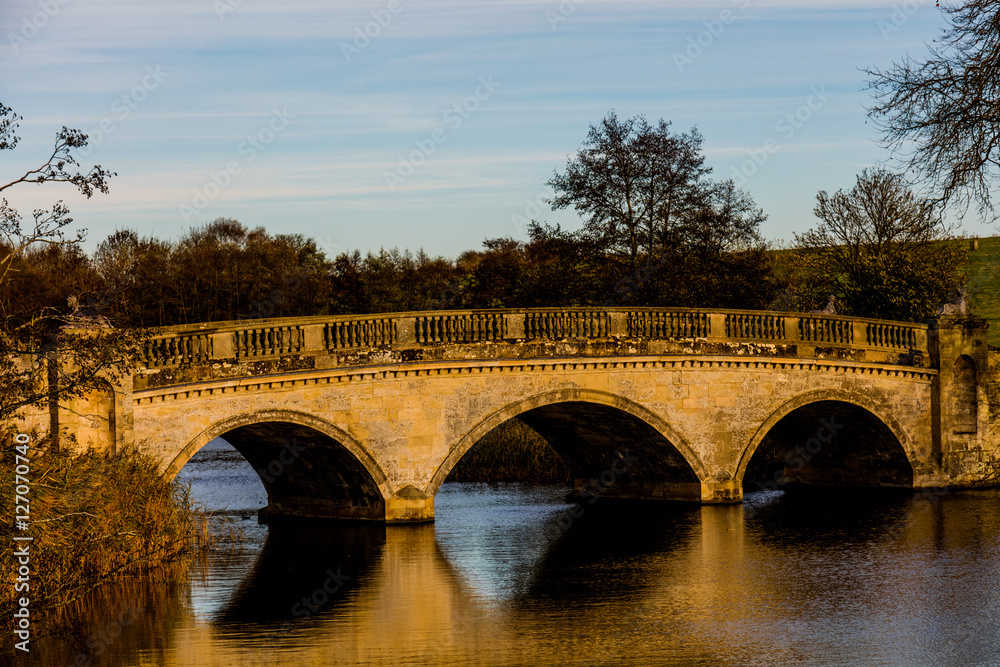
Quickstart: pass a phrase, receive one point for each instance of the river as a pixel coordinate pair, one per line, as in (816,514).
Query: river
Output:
(512,575)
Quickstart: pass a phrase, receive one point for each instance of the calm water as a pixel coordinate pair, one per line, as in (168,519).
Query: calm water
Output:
(508,577)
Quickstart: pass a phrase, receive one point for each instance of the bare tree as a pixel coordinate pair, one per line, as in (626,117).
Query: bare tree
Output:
(48,225)
(634,182)
(726,219)
(881,249)
(30,340)
(941,115)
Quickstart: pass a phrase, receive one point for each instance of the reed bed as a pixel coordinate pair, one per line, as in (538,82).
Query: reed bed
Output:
(512,452)
(95,518)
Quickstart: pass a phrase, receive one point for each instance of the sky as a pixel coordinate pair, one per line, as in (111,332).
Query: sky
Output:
(433,124)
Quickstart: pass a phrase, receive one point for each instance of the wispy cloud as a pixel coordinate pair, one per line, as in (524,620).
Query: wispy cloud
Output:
(353,119)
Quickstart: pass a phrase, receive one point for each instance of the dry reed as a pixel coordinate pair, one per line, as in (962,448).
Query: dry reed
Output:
(94,518)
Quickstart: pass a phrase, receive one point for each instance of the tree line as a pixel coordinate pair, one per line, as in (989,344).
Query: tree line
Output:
(226,271)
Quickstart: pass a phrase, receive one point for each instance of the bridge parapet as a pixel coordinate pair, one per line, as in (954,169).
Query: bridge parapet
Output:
(315,342)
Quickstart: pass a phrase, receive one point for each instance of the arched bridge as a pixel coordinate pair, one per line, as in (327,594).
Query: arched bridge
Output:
(364,416)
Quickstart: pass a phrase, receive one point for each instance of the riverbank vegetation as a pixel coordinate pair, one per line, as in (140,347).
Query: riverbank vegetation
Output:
(94,518)
(91,517)
(226,271)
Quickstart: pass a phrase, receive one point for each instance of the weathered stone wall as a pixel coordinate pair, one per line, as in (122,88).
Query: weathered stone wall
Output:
(989,418)
(100,420)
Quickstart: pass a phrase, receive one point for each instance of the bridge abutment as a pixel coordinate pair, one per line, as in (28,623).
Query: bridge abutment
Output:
(966,443)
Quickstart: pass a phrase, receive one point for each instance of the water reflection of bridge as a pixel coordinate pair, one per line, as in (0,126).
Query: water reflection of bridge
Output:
(364,417)
(784,579)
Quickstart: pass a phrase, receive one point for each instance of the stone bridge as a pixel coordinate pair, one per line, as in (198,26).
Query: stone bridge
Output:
(364,416)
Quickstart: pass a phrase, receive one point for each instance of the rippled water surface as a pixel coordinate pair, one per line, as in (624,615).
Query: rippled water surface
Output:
(514,576)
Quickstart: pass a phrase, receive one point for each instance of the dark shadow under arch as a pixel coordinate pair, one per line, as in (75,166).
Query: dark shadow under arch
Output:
(612,445)
(310,469)
(829,442)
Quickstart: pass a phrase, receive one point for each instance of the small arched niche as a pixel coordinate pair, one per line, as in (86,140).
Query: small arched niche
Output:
(964,399)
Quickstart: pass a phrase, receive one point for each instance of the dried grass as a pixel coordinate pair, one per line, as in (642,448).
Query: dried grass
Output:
(93,519)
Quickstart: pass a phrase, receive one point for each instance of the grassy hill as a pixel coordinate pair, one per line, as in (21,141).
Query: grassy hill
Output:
(983,285)
(983,282)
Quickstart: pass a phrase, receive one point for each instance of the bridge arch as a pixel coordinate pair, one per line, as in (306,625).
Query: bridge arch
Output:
(308,466)
(875,411)
(640,417)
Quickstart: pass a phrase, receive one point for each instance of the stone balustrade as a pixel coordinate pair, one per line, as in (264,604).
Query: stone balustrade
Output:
(802,335)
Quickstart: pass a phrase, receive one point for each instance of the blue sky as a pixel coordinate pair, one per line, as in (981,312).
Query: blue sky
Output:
(432,123)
